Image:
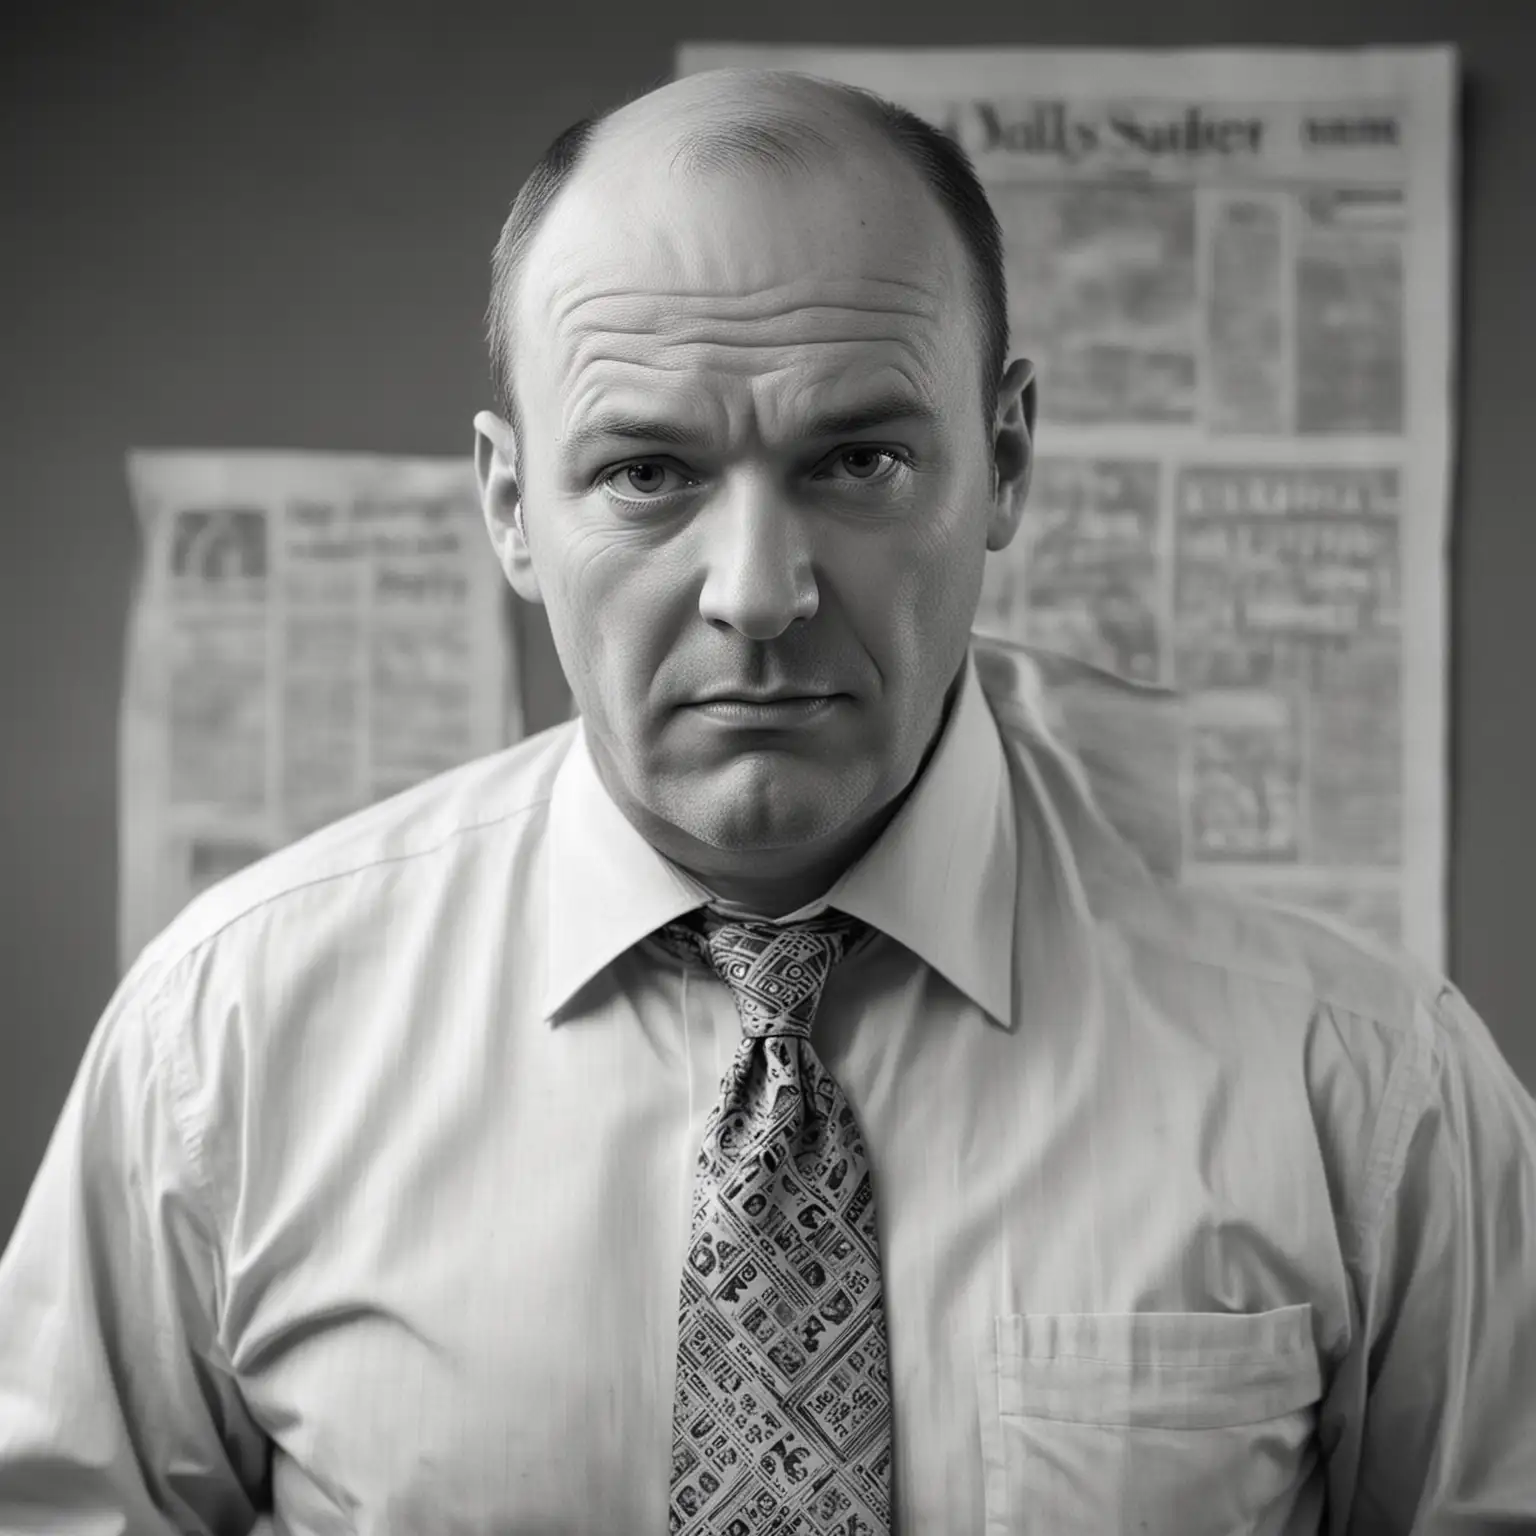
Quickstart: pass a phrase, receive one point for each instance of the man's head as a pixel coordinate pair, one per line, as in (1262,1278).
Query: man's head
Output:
(754,441)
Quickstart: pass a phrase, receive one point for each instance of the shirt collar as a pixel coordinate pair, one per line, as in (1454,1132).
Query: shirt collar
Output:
(941,879)
(608,888)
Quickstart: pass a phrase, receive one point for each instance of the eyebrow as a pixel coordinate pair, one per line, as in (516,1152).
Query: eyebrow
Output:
(879,412)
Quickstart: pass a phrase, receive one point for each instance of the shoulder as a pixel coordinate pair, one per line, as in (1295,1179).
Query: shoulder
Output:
(1363,1038)
(1106,753)
(272,990)
(1240,941)
(379,853)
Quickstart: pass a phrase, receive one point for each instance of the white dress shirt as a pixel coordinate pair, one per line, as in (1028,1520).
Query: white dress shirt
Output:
(367,1208)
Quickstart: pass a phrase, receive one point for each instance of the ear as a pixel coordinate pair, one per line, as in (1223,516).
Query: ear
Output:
(1013,452)
(501,500)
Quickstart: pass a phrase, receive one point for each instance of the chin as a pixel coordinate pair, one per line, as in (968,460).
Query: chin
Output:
(765,805)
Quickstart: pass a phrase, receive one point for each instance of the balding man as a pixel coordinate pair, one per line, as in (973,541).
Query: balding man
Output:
(781,1100)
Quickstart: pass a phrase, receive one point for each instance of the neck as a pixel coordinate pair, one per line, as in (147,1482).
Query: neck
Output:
(769,892)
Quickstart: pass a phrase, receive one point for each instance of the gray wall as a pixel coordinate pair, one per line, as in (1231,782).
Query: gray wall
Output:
(247,225)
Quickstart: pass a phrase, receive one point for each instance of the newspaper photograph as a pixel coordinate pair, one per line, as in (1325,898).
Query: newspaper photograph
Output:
(309,633)
(1234,274)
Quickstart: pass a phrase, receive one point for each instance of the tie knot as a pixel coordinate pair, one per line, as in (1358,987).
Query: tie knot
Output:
(775,971)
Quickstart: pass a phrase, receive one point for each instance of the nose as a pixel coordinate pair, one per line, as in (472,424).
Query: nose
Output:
(759,576)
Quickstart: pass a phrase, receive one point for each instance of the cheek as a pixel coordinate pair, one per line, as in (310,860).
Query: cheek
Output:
(915,601)
(608,600)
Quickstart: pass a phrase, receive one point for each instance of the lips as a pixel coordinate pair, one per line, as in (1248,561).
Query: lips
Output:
(774,711)
(797,696)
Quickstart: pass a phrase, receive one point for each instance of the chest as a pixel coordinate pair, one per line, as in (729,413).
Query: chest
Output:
(1107,1272)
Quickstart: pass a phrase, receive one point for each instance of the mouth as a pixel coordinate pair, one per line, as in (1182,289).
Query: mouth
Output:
(776,710)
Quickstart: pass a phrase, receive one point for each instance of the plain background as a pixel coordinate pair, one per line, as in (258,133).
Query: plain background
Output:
(268,225)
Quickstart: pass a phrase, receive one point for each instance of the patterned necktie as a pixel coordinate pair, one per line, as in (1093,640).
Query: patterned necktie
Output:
(782,1413)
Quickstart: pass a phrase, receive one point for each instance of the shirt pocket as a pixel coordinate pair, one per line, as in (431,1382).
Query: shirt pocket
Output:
(1148,1422)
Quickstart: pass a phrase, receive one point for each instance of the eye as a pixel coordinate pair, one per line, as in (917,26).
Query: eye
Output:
(647,480)
(641,480)
(868,465)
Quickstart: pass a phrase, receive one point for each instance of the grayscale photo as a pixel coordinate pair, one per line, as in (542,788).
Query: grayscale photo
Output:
(767,774)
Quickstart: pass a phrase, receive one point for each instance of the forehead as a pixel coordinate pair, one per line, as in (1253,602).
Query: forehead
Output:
(850,266)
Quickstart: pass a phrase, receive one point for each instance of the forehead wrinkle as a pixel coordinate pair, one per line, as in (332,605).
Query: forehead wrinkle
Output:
(590,340)
(588,398)
(591,350)
(672,317)
(892,385)
(584,378)
(809,312)
(586,361)
(848,293)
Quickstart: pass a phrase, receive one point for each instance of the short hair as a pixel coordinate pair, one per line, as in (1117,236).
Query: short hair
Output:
(772,142)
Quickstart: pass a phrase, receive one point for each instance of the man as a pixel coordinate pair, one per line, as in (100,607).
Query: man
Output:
(781,1100)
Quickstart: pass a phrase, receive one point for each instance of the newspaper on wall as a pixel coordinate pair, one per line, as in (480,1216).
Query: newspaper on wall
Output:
(309,633)
(1233,272)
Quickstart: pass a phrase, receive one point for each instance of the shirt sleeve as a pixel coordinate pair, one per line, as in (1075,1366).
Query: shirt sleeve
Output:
(1449,1429)
(118,1415)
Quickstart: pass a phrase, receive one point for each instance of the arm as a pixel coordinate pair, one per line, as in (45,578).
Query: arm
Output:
(1449,1431)
(118,1416)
